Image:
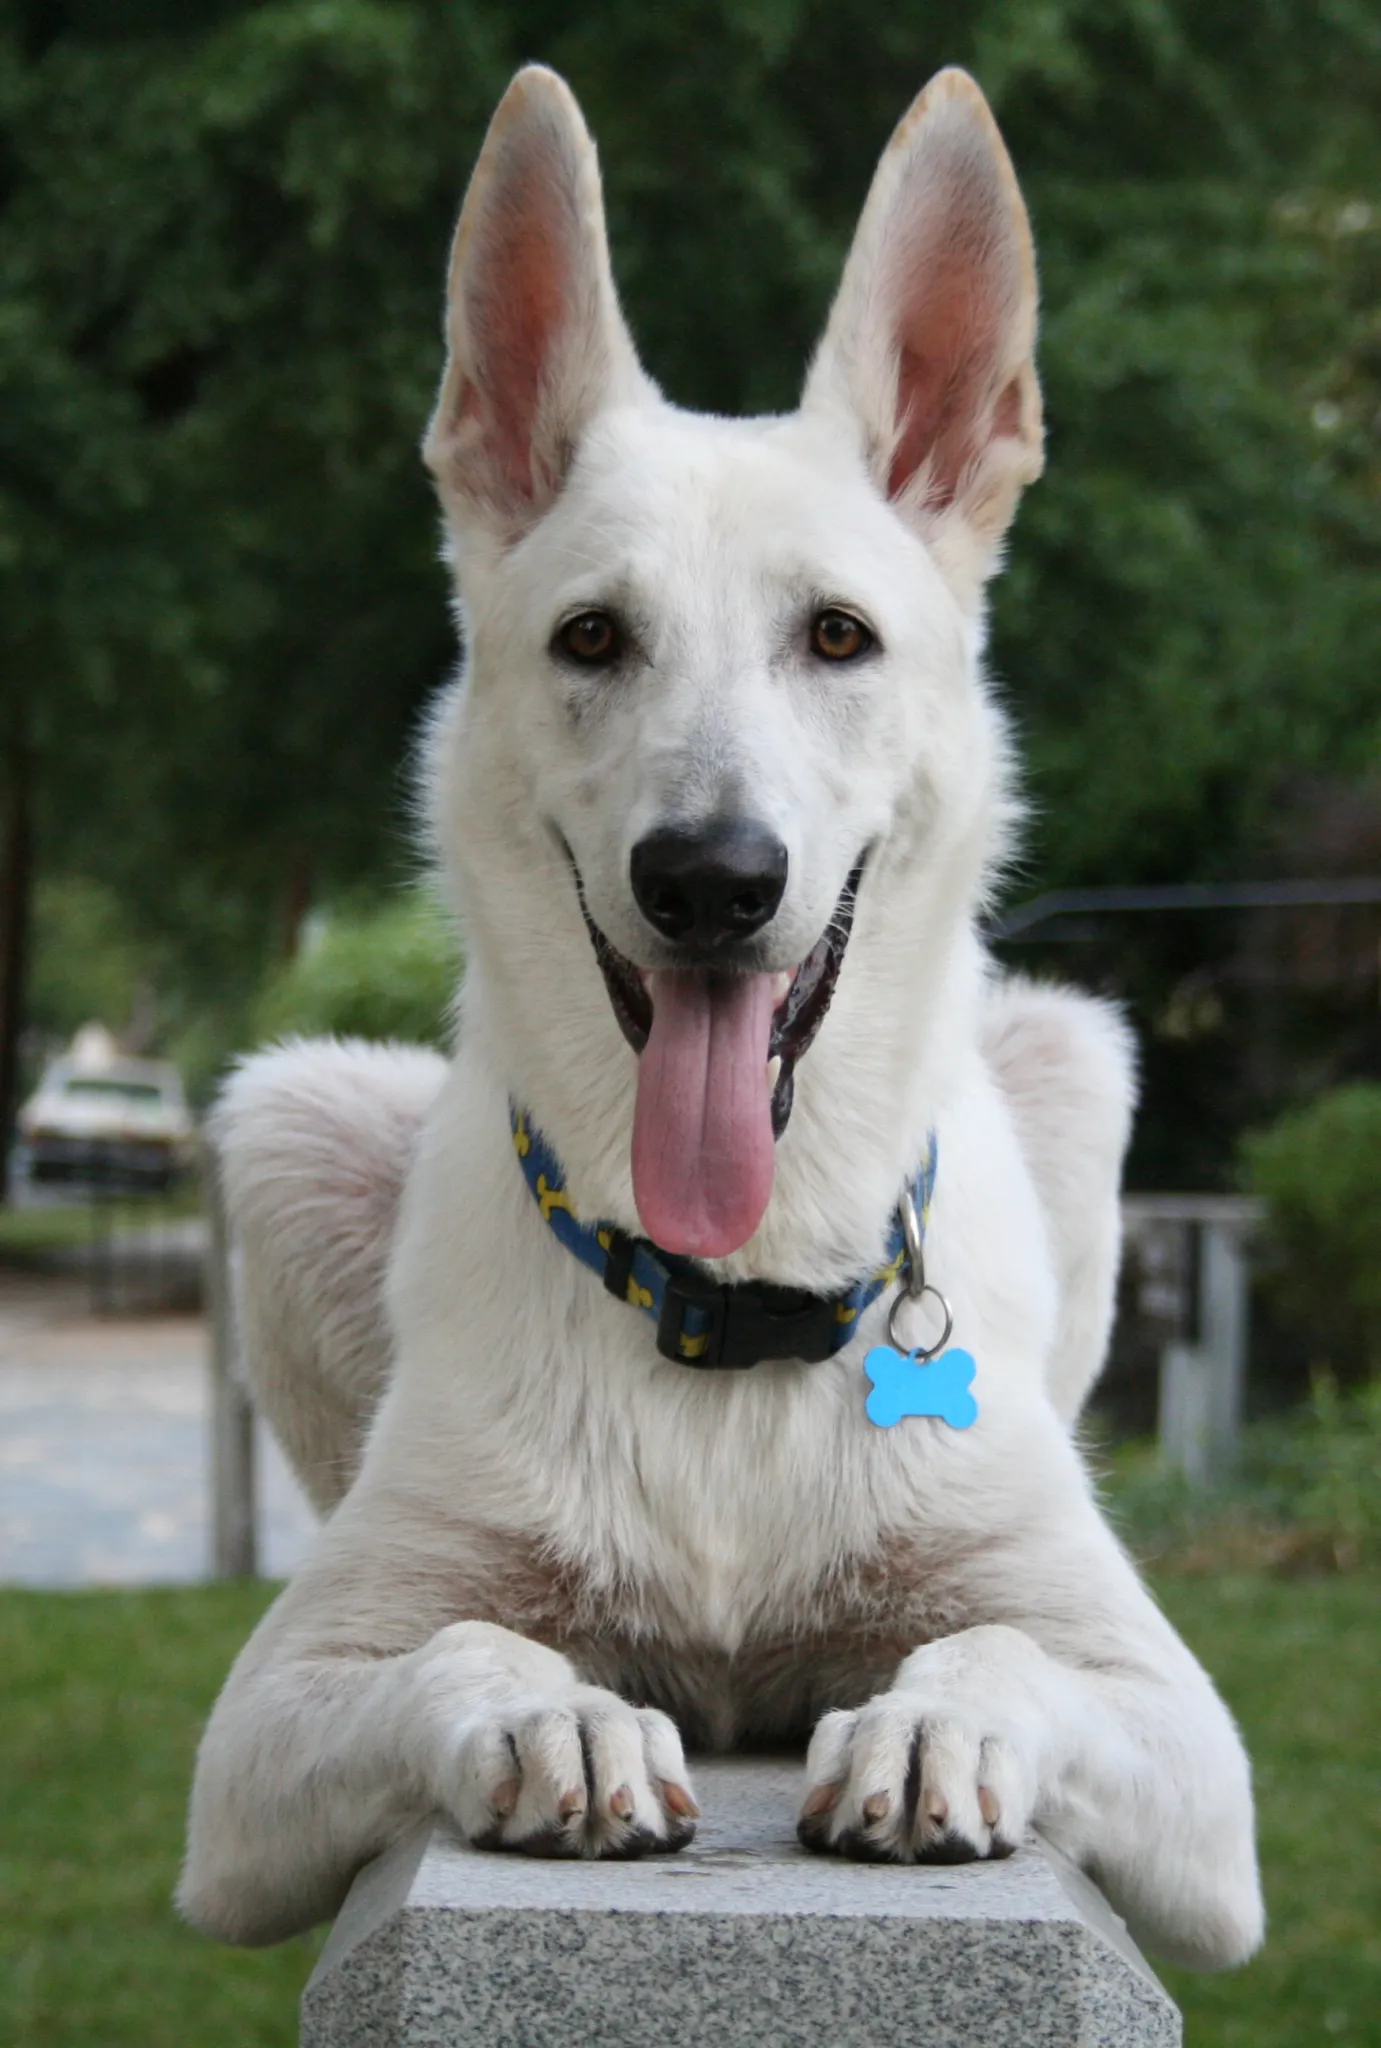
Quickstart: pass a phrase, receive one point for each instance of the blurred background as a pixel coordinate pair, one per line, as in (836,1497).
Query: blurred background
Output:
(223,231)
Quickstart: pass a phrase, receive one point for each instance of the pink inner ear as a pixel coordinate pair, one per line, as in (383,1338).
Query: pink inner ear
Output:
(519,300)
(949,346)
(932,424)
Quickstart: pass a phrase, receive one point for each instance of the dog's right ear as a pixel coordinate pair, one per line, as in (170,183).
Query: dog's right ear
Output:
(536,343)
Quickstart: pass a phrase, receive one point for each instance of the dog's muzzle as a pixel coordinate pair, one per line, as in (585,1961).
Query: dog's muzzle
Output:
(796,1018)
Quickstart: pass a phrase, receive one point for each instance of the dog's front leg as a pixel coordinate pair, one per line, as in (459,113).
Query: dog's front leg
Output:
(317,1758)
(1083,1715)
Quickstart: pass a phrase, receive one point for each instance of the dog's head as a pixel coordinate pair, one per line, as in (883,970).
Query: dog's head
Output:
(722,703)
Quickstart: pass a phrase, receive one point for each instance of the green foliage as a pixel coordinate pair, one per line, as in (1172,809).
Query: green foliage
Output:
(1317,1171)
(388,973)
(224,233)
(91,962)
(1304,1495)
(87,965)
(1329,1471)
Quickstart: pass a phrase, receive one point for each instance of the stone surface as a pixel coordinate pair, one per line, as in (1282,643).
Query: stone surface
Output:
(743,1937)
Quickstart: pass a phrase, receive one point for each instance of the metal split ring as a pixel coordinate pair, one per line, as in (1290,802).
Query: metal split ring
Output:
(917,1286)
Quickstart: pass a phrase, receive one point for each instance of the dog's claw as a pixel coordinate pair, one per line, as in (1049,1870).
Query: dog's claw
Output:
(823,1799)
(678,1800)
(584,1774)
(900,1782)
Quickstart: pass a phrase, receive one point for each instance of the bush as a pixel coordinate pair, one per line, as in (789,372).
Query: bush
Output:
(1305,1494)
(386,973)
(1322,1477)
(1318,1170)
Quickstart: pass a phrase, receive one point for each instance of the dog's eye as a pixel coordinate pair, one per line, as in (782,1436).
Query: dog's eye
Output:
(592,638)
(839,636)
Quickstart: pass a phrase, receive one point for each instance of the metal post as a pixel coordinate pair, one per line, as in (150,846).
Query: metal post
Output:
(1202,1375)
(1185,1403)
(1223,1326)
(234,1546)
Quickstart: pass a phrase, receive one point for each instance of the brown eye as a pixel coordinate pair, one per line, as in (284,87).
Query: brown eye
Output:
(590,637)
(839,636)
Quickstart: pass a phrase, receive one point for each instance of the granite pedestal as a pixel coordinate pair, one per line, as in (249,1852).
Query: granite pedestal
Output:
(741,1938)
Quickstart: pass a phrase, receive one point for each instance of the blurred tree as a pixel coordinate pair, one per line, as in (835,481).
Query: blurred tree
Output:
(1315,1170)
(388,972)
(223,229)
(219,606)
(87,965)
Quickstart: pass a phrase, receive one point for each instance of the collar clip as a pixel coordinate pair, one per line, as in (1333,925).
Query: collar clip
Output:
(740,1324)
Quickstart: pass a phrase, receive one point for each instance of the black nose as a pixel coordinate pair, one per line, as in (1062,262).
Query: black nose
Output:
(712,886)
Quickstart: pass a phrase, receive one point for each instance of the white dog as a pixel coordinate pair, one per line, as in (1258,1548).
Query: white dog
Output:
(722,736)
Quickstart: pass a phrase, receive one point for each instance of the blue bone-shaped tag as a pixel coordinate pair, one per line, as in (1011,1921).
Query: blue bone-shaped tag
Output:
(902,1385)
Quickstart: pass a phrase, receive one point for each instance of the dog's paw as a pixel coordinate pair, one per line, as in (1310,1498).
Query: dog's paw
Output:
(582,1775)
(914,1778)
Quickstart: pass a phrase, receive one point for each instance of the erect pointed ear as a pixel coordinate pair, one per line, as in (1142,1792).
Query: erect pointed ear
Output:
(536,342)
(929,344)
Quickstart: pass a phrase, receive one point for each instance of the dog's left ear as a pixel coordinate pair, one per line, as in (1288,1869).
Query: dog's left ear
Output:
(929,346)
(536,343)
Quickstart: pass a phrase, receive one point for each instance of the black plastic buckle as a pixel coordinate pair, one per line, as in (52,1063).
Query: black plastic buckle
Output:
(749,1321)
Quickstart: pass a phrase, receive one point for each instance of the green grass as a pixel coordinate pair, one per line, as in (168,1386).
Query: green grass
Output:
(105,1694)
(1299,1663)
(29,1236)
(26,1234)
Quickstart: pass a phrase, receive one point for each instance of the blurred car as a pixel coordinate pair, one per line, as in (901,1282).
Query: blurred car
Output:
(124,1120)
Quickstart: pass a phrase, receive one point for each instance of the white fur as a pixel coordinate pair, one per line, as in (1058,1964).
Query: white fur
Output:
(548,1520)
(314,1144)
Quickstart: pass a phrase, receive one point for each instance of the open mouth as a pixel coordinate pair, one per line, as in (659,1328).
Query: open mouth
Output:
(717,1054)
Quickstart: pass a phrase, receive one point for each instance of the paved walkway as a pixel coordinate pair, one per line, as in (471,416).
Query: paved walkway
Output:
(104,1451)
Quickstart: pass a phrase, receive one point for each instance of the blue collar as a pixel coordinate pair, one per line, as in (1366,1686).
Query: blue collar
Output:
(721,1325)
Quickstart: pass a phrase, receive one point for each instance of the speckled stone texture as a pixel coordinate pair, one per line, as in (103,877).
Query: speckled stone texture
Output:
(742,1938)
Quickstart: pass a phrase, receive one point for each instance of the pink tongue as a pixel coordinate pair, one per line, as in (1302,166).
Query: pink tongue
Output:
(703,1153)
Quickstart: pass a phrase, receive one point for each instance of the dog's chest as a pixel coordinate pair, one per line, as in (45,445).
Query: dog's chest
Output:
(744,1554)
(746,1613)
(789,1654)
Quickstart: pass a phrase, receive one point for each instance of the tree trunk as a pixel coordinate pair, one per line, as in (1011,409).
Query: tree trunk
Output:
(297,902)
(16,886)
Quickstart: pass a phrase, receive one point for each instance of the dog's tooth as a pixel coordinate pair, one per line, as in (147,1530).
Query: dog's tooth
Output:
(781,985)
(774,1068)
